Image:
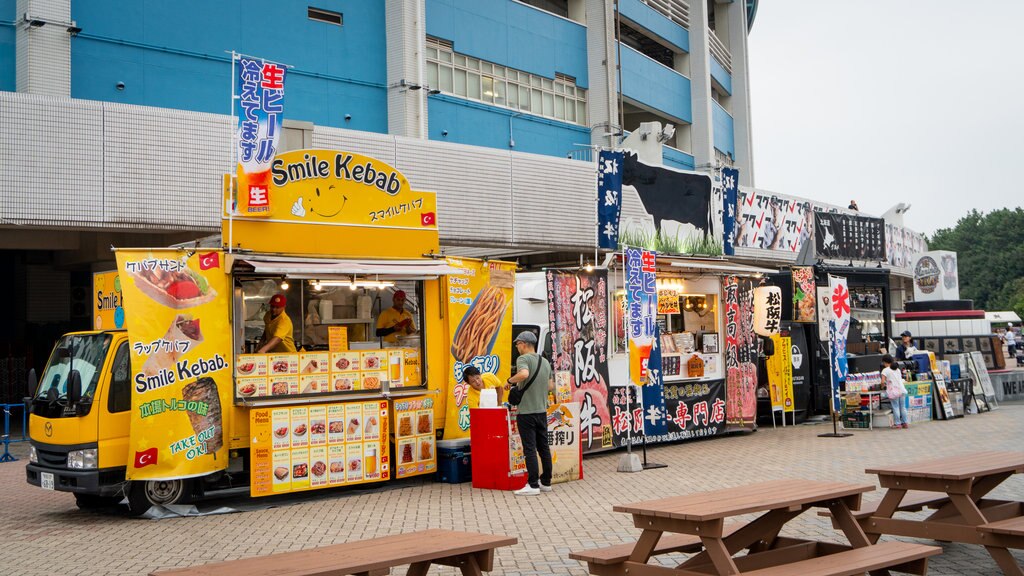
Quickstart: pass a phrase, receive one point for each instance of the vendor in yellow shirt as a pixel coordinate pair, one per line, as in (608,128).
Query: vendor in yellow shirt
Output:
(395,321)
(477,382)
(278,334)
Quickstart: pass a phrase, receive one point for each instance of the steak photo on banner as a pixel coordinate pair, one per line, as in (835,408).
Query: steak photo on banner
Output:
(578,319)
(845,236)
(677,208)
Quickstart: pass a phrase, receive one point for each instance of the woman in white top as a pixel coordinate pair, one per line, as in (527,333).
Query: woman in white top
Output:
(895,390)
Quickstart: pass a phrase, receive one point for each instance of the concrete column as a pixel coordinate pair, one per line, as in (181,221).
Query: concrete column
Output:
(743,142)
(702,132)
(43,50)
(602,95)
(406,39)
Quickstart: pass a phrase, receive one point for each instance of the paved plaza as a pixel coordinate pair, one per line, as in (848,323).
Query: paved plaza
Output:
(42,533)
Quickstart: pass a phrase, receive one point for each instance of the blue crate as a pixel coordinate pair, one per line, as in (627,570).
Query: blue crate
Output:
(453,461)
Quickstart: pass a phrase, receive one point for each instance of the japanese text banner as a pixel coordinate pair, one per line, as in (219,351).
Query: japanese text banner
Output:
(609,198)
(259,107)
(176,307)
(641,309)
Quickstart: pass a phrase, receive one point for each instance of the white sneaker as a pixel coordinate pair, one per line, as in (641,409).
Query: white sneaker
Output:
(544,488)
(527,491)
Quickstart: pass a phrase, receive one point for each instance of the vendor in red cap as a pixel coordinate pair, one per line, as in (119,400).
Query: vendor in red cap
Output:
(395,321)
(278,332)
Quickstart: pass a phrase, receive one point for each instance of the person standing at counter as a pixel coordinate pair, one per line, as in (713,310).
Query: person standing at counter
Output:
(278,333)
(532,418)
(477,382)
(906,349)
(395,321)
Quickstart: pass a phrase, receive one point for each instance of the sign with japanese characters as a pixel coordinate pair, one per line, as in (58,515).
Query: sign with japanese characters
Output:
(478,300)
(641,310)
(740,352)
(730,195)
(653,393)
(772,222)
(259,107)
(609,198)
(564,440)
(336,203)
(767,310)
(848,237)
(804,294)
(780,374)
(693,410)
(176,307)
(578,323)
(839,327)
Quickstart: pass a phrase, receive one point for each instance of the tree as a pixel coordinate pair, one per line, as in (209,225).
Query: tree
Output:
(990,257)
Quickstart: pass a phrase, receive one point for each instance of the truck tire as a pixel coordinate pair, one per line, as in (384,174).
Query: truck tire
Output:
(147,493)
(94,502)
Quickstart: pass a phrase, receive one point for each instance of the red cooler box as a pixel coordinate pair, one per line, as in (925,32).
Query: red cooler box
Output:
(493,444)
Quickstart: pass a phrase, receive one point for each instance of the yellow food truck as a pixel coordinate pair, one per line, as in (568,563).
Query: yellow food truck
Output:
(312,347)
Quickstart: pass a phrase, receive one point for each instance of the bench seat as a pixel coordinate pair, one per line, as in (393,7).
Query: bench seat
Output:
(856,561)
(469,551)
(913,501)
(609,560)
(1010,526)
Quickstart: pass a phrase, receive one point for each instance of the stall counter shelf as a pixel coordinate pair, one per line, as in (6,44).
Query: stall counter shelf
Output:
(856,424)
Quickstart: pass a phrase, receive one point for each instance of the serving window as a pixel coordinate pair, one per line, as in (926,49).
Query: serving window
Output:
(339,349)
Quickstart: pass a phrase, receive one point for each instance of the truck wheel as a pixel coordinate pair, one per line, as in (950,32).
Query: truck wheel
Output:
(94,502)
(144,494)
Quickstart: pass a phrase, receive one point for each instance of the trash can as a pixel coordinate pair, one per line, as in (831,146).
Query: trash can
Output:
(453,461)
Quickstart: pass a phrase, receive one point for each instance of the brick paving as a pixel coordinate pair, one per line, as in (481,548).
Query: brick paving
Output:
(42,533)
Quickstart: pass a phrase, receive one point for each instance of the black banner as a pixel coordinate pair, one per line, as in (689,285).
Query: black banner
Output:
(845,236)
(693,410)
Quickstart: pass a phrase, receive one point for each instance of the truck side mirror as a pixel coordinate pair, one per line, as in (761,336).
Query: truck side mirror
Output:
(33,384)
(74,388)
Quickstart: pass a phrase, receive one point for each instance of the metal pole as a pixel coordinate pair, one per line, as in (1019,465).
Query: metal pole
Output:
(618,67)
(234,161)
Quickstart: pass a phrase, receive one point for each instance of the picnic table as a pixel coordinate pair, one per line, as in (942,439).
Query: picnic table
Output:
(956,487)
(703,516)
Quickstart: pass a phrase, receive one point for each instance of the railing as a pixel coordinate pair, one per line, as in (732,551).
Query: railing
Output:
(720,52)
(677,11)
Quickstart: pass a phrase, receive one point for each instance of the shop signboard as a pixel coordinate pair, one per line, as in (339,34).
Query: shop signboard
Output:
(415,451)
(767,310)
(564,440)
(258,96)
(578,323)
(627,417)
(848,237)
(780,374)
(641,309)
(800,358)
(740,352)
(609,198)
(978,360)
(107,301)
(943,406)
(326,200)
(936,277)
(313,446)
(771,222)
(730,192)
(479,312)
(694,410)
(176,303)
(804,293)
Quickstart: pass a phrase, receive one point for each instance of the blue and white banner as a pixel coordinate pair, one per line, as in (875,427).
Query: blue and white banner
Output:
(655,423)
(609,198)
(730,195)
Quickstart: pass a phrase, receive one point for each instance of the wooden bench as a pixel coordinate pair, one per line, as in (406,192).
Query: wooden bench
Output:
(887,555)
(1010,527)
(913,501)
(609,561)
(471,552)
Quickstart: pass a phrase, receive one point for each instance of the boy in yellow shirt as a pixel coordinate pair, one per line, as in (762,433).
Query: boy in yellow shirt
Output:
(477,382)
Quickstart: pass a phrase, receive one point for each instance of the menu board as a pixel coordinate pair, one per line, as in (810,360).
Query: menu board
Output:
(303,373)
(415,451)
(296,448)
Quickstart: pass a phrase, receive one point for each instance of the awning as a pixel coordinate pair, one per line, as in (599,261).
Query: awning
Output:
(323,269)
(718,266)
(1000,317)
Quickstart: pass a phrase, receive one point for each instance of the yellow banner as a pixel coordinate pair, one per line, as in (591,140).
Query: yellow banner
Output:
(780,374)
(107,301)
(479,301)
(176,305)
(333,203)
(415,449)
(297,448)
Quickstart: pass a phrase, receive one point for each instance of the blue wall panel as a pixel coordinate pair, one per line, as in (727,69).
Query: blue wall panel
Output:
(677,159)
(8,70)
(654,85)
(653,21)
(723,130)
(172,54)
(720,75)
(481,125)
(511,34)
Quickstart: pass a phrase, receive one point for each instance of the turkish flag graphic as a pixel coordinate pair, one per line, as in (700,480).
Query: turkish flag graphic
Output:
(209,260)
(145,458)
(428,219)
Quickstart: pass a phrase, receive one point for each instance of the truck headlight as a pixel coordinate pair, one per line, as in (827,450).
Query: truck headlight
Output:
(82,459)
(32,456)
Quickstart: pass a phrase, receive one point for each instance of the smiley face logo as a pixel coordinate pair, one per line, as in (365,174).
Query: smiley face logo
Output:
(327,203)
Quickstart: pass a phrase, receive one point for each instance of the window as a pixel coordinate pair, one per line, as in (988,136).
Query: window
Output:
(482,81)
(647,46)
(120,397)
(327,16)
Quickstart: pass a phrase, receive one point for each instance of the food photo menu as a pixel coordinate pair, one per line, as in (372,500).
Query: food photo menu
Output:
(415,449)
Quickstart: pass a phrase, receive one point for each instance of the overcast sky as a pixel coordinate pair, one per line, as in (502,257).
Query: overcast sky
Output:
(886,101)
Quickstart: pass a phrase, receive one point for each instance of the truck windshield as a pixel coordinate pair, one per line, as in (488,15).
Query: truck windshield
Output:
(82,352)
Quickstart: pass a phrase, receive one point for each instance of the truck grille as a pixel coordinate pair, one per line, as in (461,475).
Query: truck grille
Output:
(52,459)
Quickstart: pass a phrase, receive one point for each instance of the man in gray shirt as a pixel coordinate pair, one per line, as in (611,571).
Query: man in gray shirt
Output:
(532,419)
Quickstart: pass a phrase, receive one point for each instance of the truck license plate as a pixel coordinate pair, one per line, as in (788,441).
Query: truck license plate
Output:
(46,481)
